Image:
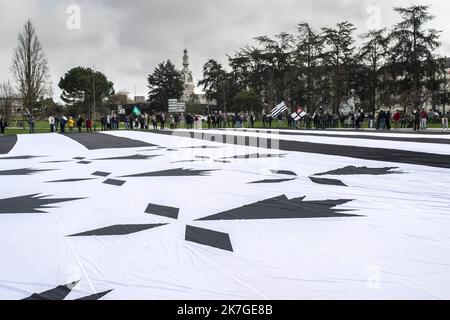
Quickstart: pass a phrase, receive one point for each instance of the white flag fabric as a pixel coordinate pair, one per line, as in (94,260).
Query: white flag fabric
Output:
(278,109)
(298,115)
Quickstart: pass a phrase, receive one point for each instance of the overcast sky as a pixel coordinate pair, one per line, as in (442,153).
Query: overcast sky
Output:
(127,39)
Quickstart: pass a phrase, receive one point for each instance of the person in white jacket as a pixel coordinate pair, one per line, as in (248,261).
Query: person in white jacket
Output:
(197,122)
(51,122)
(445,122)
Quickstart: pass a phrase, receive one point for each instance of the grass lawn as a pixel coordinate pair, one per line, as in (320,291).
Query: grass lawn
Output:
(43,127)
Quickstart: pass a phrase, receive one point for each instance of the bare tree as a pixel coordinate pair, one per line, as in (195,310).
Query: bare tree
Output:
(30,67)
(6,99)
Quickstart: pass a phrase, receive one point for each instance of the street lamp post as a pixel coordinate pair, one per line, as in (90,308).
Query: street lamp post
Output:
(224,95)
(93,90)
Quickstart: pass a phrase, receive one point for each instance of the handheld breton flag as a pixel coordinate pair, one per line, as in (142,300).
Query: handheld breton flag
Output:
(298,115)
(278,109)
(136,111)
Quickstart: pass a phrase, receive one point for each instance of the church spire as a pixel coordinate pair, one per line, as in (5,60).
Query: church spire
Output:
(186,60)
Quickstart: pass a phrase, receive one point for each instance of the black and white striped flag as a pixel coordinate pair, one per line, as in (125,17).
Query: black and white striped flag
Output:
(278,109)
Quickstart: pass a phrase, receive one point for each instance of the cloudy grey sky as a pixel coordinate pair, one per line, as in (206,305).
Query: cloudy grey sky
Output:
(127,39)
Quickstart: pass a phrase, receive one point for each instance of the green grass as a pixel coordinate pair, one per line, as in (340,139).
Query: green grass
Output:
(43,127)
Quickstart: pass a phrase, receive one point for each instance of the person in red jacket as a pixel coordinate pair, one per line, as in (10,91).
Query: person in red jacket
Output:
(423,119)
(397,117)
(89,125)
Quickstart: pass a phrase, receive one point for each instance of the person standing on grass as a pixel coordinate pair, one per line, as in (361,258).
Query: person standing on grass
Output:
(252,120)
(171,122)
(382,119)
(403,121)
(264,120)
(416,119)
(397,117)
(71,124)
(188,119)
(388,120)
(89,125)
(2,126)
(127,123)
(377,120)
(290,121)
(269,121)
(57,119)
(62,123)
(108,122)
(423,119)
(80,122)
(196,121)
(163,121)
(177,120)
(51,122)
(445,122)
(103,122)
(154,122)
(371,120)
(32,123)
(357,121)
(146,122)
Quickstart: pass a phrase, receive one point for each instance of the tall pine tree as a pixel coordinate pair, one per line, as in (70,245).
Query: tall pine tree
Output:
(413,53)
(165,83)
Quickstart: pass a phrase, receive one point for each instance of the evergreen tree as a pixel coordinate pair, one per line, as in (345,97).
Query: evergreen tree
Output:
(82,86)
(310,73)
(165,83)
(373,53)
(413,53)
(215,82)
(339,59)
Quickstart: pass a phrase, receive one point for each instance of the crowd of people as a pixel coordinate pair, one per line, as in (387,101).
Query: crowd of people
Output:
(381,120)
(64,125)
(172,121)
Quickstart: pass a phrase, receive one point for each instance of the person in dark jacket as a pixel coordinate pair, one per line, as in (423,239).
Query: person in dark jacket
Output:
(416,119)
(388,120)
(190,121)
(103,122)
(3,125)
(264,120)
(62,123)
(80,122)
(31,123)
(357,121)
(252,120)
(362,118)
(162,120)
(382,119)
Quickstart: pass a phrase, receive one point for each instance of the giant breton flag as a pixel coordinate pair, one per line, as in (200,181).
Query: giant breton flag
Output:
(110,216)
(278,109)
